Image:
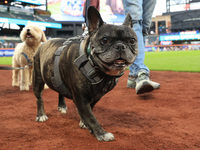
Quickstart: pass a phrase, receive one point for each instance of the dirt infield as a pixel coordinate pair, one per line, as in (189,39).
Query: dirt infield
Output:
(166,119)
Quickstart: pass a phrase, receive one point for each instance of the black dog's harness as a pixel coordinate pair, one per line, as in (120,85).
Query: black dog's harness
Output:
(56,79)
(85,65)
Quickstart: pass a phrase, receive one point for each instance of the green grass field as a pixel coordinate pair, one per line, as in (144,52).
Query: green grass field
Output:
(5,60)
(187,61)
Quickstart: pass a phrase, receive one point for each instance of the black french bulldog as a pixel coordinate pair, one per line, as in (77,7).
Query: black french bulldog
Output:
(85,68)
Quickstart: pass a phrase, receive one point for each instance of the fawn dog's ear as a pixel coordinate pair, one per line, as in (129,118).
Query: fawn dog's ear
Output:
(43,37)
(23,35)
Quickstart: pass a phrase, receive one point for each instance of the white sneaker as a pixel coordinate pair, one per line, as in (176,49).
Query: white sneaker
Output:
(142,83)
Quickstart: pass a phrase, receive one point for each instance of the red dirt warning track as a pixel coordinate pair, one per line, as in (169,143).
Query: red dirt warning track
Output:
(166,119)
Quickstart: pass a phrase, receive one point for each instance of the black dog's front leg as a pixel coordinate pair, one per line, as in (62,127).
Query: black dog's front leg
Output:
(62,105)
(91,123)
(81,124)
(38,87)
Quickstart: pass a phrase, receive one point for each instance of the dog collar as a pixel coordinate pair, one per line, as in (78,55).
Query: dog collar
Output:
(88,49)
(29,61)
(85,46)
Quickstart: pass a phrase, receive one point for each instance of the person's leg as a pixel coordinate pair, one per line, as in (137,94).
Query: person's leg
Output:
(148,6)
(135,8)
(139,72)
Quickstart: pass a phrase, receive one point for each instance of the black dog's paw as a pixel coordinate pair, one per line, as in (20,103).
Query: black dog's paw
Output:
(41,118)
(106,137)
(62,110)
(82,125)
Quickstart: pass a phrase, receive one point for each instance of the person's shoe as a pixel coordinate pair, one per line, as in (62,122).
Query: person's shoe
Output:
(142,84)
(131,83)
(155,85)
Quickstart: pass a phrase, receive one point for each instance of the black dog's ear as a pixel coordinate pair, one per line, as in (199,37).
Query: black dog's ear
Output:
(94,18)
(128,21)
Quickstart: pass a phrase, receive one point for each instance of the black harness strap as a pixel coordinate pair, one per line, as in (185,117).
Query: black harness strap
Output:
(56,80)
(84,65)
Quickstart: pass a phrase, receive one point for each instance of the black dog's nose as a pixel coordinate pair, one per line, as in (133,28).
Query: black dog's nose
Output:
(28,30)
(120,46)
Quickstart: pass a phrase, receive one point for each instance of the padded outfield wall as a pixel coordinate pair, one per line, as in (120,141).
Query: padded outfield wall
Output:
(8,52)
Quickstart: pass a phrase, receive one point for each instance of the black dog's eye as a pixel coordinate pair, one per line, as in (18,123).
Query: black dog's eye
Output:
(132,41)
(104,40)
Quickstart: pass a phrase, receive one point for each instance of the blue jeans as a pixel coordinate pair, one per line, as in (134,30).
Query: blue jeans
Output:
(141,12)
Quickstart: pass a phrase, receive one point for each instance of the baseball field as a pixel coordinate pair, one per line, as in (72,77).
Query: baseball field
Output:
(165,119)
